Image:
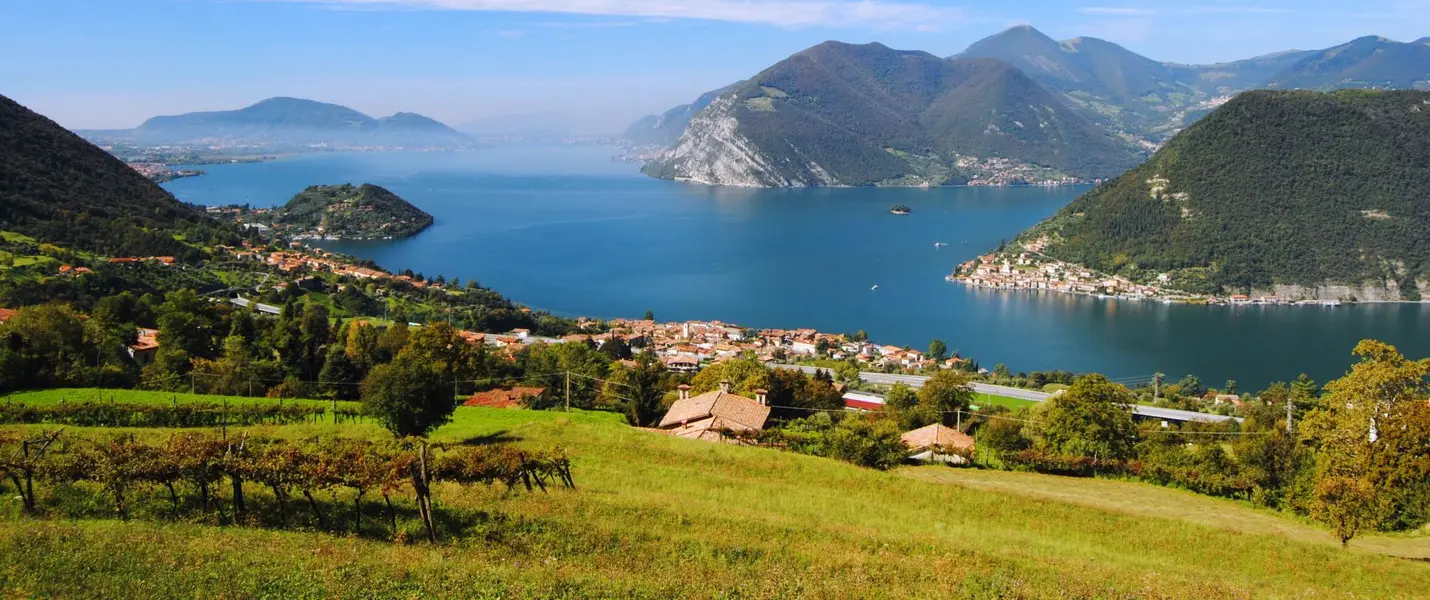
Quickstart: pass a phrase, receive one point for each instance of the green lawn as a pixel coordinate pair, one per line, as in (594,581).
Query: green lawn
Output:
(659,517)
(980,399)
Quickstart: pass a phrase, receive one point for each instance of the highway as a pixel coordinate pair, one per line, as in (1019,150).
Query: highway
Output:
(917,381)
(258,306)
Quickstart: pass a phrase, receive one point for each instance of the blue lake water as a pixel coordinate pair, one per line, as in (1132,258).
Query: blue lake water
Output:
(569,230)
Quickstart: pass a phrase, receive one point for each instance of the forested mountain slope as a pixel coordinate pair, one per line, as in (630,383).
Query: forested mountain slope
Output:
(1300,193)
(843,114)
(59,188)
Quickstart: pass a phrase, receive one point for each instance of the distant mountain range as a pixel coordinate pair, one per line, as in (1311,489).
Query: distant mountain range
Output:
(1292,193)
(296,121)
(1152,99)
(736,135)
(844,114)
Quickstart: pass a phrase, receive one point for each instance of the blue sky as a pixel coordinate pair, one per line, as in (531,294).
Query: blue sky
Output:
(595,63)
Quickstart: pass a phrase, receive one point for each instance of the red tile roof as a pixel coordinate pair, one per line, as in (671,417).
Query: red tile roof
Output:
(503,398)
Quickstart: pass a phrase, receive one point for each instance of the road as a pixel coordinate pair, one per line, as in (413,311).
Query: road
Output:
(917,381)
(258,306)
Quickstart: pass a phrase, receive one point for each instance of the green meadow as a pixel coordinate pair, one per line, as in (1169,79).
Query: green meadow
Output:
(657,517)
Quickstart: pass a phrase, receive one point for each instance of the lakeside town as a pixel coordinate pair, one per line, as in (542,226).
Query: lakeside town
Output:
(1023,266)
(684,347)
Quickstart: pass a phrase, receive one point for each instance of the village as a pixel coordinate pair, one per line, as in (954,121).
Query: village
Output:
(1025,267)
(684,347)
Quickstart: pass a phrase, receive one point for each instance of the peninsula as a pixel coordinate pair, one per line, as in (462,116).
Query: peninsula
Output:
(1243,207)
(335,212)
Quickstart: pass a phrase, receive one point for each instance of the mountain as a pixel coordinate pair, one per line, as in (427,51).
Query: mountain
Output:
(1367,62)
(843,114)
(298,121)
(58,188)
(1297,193)
(1118,86)
(665,129)
(1130,93)
(346,212)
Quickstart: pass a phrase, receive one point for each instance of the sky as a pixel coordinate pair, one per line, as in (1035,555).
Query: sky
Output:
(588,66)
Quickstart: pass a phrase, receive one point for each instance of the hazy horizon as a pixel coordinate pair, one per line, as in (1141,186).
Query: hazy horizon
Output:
(588,66)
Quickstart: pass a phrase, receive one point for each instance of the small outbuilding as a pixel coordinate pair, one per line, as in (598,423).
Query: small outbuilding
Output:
(938,443)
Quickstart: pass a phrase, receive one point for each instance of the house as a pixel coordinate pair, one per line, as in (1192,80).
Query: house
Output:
(711,415)
(682,364)
(146,346)
(930,443)
(863,401)
(504,397)
(6,313)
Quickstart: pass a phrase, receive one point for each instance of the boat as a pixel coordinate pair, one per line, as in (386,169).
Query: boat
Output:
(900,209)
(876,286)
(939,244)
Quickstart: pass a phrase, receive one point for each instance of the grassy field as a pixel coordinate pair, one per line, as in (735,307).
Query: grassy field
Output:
(990,400)
(659,517)
(42,397)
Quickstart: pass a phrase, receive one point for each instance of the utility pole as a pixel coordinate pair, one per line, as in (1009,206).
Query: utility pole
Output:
(568,391)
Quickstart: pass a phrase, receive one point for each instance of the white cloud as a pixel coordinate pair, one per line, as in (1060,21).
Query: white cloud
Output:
(1132,11)
(875,14)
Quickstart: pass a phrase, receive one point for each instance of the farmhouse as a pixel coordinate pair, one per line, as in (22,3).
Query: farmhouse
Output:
(931,443)
(710,415)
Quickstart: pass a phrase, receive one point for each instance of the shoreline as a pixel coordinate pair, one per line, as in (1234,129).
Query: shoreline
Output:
(1189,301)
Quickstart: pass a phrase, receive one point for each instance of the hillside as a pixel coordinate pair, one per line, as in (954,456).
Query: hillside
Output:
(1367,62)
(842,114)
(1301,194)
(345,212)
(296,121)
(658,517)
(59,188)
(664,129)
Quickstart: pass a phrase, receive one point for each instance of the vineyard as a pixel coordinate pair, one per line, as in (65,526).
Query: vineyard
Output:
(652,517)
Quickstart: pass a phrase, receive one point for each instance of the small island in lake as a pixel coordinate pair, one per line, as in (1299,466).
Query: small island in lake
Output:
(336,212)
(900,209)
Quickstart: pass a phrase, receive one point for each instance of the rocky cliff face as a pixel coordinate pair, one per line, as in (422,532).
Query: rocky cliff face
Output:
(713,151)
(1369,291)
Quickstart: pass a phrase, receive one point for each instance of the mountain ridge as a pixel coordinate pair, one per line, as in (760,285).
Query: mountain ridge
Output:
(284,119)
(847,114)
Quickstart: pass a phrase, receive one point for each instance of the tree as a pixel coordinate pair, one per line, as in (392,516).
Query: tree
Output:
(947,391)
(901,397)
(938,350)
(1157,379)
(859,336)
(1358,477)
(1092,418)
(615,348)
(649,315)
(408,397)
(340,375)
(1001,371)
(392,340)
(643,388)
(1347,504)
(744,374)
(1230,387)
(1191,386)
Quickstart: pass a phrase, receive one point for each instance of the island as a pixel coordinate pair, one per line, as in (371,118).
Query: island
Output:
(900,209)
(334,212)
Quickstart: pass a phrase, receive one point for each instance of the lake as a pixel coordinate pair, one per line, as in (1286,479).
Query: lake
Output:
(567,229)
